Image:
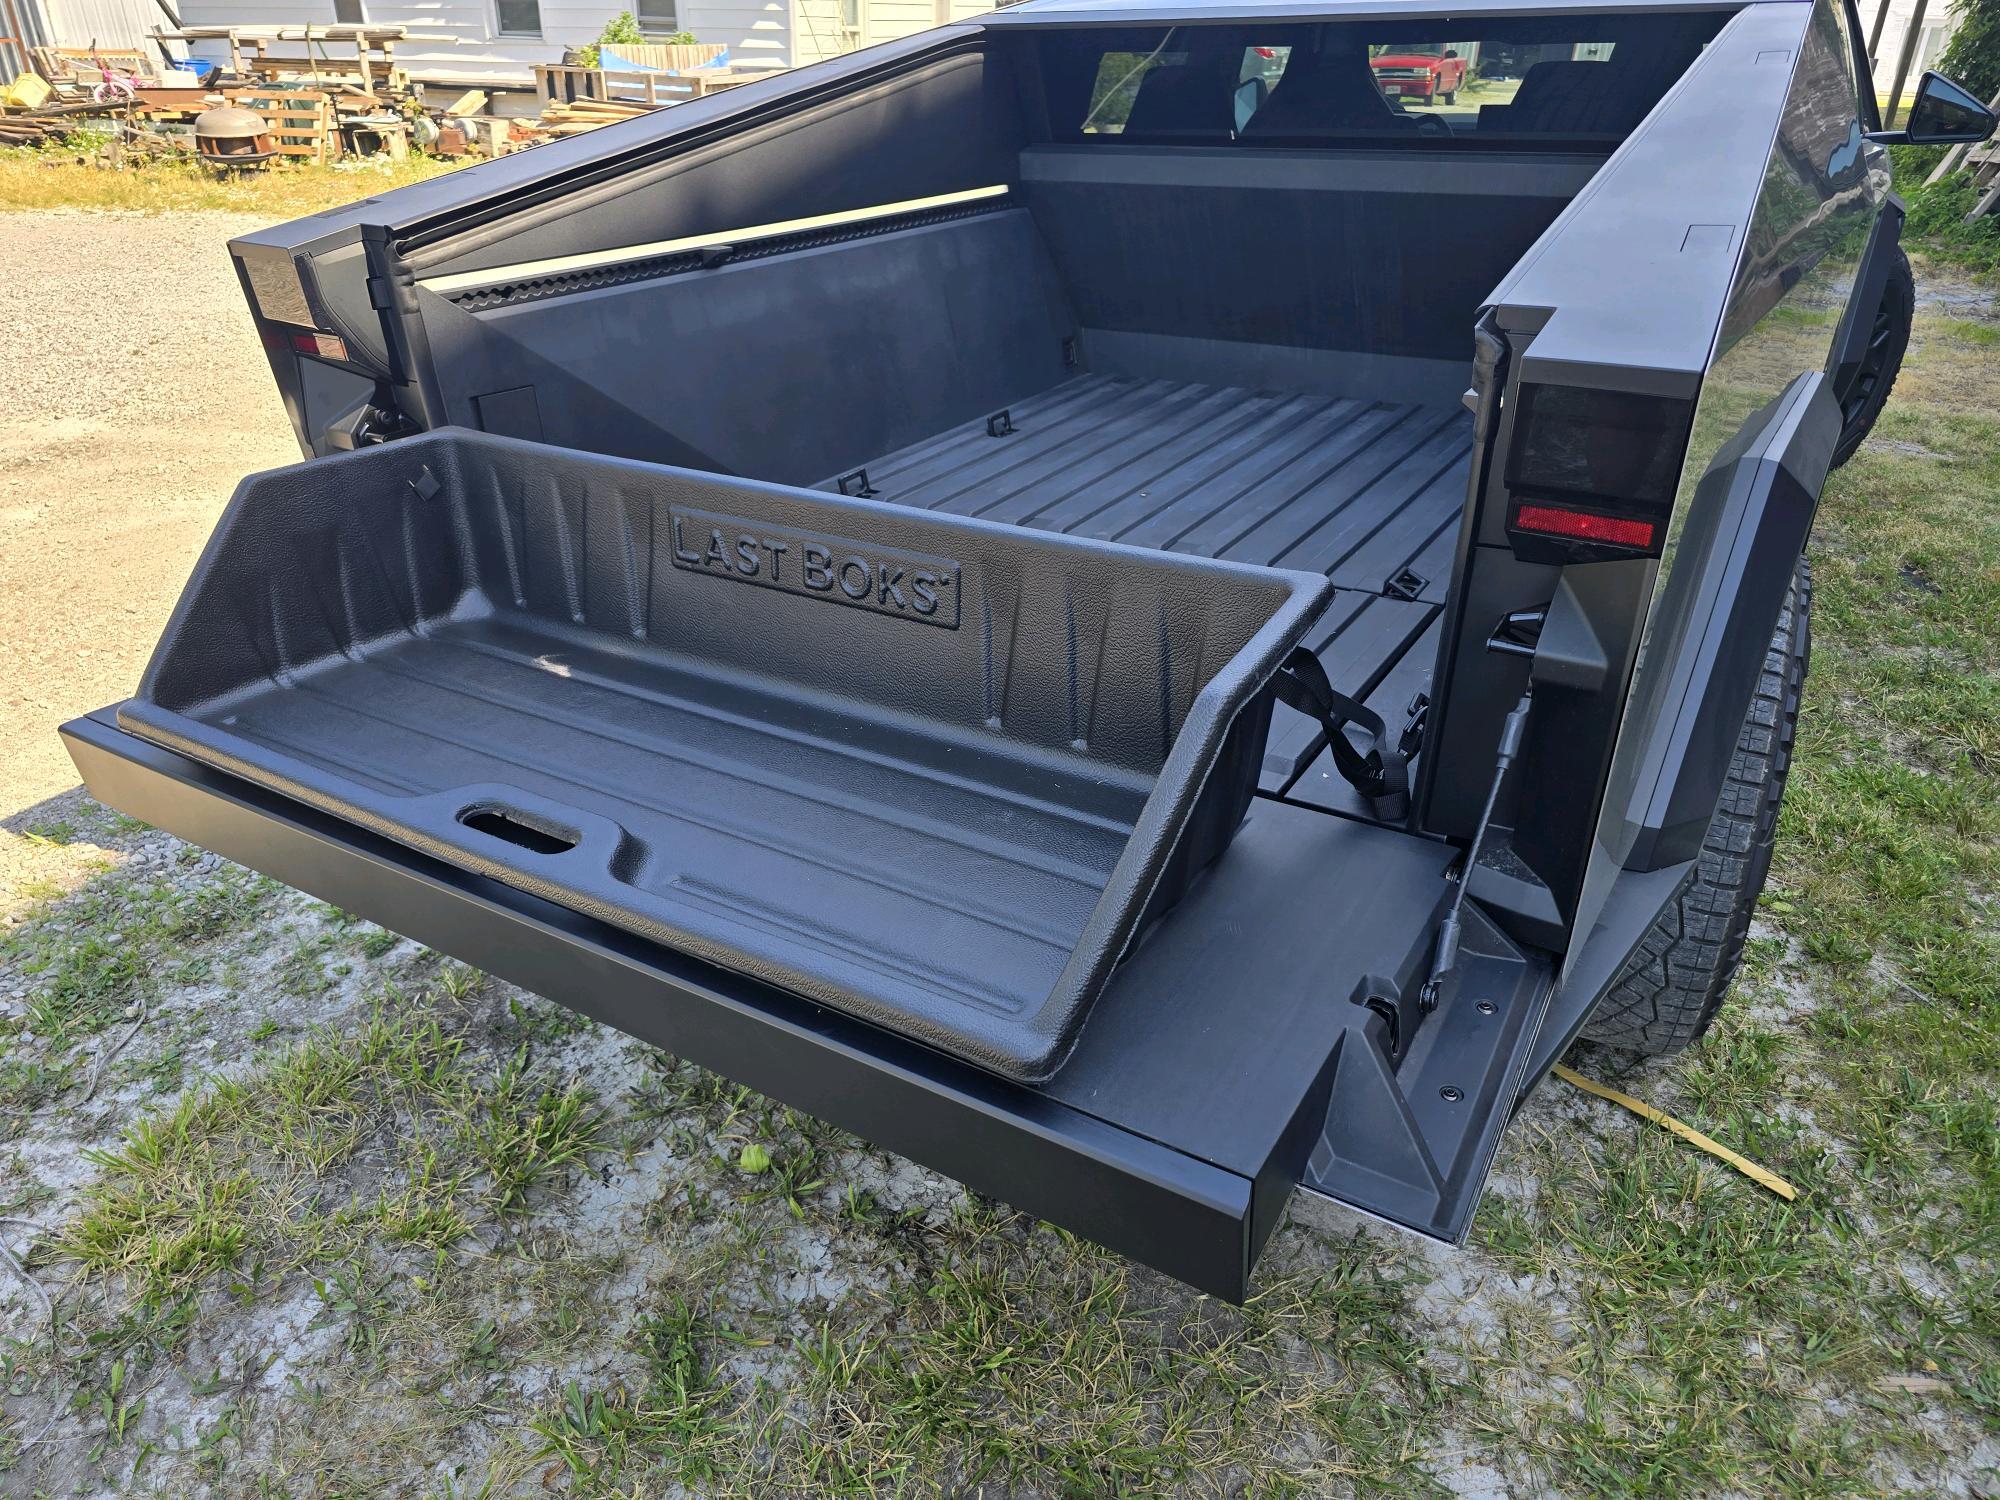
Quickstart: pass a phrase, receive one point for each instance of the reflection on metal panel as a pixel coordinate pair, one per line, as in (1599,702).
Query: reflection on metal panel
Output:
(1823,189)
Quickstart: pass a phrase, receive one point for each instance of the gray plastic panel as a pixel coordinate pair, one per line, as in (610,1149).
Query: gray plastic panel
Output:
(933,772)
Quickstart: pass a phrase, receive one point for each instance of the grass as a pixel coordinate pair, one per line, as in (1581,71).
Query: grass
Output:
(260,1168)
(59,177)
(98,962)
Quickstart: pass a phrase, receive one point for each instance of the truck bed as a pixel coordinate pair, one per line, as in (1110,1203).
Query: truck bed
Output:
(1368,493)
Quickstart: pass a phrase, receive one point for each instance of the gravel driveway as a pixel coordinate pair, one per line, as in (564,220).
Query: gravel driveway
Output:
(136,397)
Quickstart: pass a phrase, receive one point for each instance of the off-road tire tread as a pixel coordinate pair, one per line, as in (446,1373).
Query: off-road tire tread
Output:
(1900,290)
(1673,985)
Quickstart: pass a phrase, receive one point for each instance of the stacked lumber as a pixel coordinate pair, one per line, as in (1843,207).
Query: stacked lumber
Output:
(559,119)
(31,113)
(30,130)
(580,115)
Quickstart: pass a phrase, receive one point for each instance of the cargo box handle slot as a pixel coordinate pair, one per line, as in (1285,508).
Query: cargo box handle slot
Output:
(1382,773)
(523,830)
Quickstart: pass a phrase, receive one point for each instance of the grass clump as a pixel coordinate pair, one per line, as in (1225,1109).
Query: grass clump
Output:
(391,1128)
(1937,222)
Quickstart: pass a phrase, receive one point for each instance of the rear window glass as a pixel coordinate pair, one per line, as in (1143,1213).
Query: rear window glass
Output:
(1563,82)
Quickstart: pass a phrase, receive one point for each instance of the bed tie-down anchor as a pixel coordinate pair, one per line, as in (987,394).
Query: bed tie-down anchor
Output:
(1381,773)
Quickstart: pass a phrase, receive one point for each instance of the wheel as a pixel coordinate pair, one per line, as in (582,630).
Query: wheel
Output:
(1671,988)
(1887,339)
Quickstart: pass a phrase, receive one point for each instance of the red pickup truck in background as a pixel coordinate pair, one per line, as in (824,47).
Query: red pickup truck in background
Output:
(1428,75)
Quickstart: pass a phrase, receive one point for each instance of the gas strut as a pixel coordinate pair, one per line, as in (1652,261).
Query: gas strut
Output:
(1448,931)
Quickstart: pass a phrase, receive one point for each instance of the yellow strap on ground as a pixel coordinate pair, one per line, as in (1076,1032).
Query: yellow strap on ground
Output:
(1759,1175)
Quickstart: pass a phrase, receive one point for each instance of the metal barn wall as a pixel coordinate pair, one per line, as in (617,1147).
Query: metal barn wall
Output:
(80,23)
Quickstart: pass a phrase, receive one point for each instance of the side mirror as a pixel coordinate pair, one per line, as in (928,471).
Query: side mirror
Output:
(1941,114)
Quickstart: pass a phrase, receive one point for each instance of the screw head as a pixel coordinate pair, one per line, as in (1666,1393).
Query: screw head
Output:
(1486,1007)
(1451,1094)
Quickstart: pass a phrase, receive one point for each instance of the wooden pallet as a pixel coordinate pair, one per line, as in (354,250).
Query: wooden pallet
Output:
(1984,164)
(301,122)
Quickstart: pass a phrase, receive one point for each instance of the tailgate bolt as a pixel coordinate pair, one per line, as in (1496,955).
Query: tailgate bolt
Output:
(1451,1094)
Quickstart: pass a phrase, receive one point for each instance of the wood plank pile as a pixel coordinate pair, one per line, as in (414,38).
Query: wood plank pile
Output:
(30,130)
(559,119)
(1983,162)
(33,113)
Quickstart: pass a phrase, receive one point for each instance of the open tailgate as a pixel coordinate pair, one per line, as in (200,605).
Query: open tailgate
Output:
(945,831)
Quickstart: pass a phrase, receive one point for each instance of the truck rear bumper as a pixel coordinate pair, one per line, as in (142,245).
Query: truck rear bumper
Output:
(1176,1132)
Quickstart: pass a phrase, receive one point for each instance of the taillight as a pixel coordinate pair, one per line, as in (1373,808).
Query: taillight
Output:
(1592,474)
(1585,526)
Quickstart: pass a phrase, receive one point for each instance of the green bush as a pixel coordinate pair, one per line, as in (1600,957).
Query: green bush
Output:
(1936,224)
(1973,54)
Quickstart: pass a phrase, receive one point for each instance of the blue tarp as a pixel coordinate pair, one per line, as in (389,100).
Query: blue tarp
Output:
(613,62)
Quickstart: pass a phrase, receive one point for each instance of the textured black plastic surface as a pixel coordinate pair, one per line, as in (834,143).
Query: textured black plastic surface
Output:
(1359,490)
(929,770)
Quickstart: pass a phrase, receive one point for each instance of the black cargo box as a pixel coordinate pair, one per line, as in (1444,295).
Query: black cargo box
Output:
(933,772)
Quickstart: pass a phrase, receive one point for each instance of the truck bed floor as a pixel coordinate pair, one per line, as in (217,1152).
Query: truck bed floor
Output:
(1368,493)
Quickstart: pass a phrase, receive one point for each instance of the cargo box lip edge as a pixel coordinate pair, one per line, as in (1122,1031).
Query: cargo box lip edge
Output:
(1116,918)
(1186,1197)
(1298,580)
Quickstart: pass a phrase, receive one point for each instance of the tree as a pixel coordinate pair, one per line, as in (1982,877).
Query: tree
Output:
(1972,57)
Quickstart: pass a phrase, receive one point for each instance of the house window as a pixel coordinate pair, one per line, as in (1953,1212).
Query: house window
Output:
(658,17)
(850,15)
(1930,47)
(519,17)
(348,13)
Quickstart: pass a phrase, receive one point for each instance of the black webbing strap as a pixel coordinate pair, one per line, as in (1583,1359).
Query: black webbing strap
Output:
(1382,773)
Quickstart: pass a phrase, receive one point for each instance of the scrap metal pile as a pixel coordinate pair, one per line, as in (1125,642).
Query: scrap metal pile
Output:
(321,94)
(312,109)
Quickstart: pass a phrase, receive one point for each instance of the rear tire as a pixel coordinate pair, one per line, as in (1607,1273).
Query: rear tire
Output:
(1672,987)
(1888,338)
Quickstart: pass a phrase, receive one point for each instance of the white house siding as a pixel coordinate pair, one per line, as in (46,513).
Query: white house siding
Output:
(456,40)
(752,30)
(1940,19)
(790,32)
(820,34)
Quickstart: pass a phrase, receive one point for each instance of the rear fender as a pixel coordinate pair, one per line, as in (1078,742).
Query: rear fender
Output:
(1734,559)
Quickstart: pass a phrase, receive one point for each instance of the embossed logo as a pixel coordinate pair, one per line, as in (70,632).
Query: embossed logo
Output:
(908,585)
